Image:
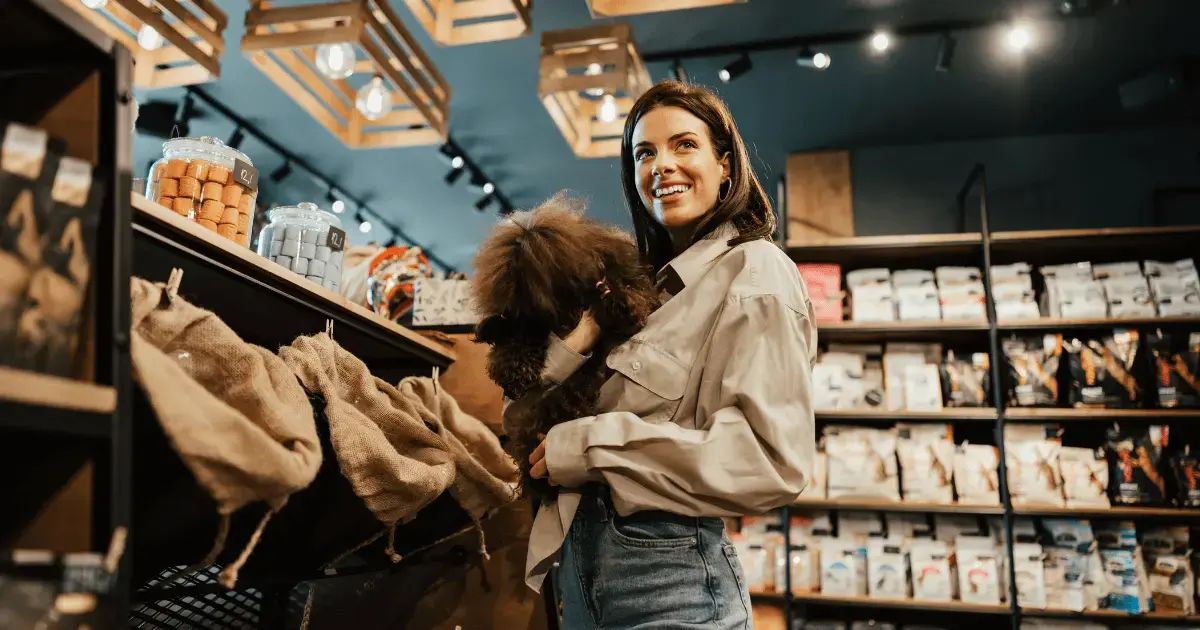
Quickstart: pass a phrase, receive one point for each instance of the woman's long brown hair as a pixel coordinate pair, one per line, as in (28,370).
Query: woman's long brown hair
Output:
(745,204)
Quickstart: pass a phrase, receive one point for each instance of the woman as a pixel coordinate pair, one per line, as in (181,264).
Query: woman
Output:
(708,412)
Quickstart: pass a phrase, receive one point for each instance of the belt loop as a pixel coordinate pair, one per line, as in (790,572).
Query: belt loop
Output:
(604,509)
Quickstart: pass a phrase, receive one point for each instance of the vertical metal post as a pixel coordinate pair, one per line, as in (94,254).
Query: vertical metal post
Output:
(785,514)
(979,176)
(114,255)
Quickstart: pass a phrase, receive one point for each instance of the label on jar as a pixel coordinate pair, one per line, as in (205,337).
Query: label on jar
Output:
(245,175)
(336,239)
(23,150)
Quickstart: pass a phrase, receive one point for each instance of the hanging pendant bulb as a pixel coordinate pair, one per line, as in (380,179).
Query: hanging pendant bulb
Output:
(374,100)
(94,4)
(607,112)
(335,61)
(149,38)
(594,70)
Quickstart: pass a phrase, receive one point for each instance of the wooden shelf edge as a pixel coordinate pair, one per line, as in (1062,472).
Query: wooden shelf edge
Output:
(948,414)
(931,326)
(882,602)
(1109,512)
(1107,615)
(890,506)
(31,388)
(1065,413)
(902,240)
(1049,235)
(1050,323)
(176,222)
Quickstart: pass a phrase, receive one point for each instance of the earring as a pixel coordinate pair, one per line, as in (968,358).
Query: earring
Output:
(728,188)
(602,285)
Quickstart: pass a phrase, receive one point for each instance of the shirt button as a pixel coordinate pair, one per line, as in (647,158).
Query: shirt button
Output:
(636,365)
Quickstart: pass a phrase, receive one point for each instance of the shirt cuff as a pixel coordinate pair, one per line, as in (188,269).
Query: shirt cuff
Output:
(565,453)
(561,360)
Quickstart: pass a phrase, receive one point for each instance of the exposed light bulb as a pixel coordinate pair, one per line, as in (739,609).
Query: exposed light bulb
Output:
(335,61)
(489,188)
(339,206)
(456,162)
(594,70)
(607,111)
(149,38)
(1019,38)
(94,4)
(881,41)
(364,227)
(821,61)
(374,100)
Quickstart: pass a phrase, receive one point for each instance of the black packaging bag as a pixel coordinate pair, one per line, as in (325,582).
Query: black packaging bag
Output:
(1100,372)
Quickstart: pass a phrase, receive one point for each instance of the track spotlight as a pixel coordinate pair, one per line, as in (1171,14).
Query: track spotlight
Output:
(484,202)
(364,226)
(881,42)
(945,53)
(481,185)
(737,68)
(448,153)
(679,71)
(282,172)
(339,206)
(453,176)
(808,59)
(235,141)
(1018,37)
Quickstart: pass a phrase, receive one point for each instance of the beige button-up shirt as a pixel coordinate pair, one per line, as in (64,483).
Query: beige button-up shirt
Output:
(709,409)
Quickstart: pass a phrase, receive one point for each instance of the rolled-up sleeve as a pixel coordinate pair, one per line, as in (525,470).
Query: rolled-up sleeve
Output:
(561,363)
(756,447)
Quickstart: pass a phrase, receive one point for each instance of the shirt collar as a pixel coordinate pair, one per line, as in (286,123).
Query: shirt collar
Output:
(689,266)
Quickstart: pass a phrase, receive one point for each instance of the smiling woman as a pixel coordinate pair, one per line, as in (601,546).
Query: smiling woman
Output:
(708,410)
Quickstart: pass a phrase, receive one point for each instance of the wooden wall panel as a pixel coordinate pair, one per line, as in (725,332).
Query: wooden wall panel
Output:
(820,202)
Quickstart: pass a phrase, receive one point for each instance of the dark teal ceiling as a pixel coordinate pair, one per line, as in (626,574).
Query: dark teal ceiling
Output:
(1067,83)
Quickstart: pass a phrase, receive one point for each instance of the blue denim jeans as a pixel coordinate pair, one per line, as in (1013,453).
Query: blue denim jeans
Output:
(649,570)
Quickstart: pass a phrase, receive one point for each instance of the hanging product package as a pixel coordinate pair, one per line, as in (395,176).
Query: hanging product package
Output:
(978,570)
(1101,372)
(843,572)
(1032,457)
(926,455)
(1033,370)
(1134,464)
(1030,575)
(966,383)
(1186,468)
(932,580)
(1085,477)
(234,412)
(1176,369)
(861,463)
(977,474)
(887,569)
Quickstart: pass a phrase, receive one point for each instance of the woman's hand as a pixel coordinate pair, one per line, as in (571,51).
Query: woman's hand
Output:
(538,459)
(585,335)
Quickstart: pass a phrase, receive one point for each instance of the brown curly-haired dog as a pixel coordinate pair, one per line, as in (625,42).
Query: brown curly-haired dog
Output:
(536,274)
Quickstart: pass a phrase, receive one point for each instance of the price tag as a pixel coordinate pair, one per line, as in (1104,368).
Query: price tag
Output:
(245,175)
(336,239)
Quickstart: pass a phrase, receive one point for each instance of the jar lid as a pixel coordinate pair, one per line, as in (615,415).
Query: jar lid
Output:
(304,210)
(207,144)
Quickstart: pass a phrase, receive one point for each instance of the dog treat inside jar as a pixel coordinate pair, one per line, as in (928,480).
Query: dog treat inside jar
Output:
(208,182)
(307,240)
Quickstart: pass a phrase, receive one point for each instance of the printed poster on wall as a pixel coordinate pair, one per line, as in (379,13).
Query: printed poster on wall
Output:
(442,302)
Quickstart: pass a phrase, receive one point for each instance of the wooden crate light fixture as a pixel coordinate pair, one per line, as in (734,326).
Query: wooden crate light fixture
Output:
(284,42)
(588,80)
(614,8)
(452,23)
(173,42)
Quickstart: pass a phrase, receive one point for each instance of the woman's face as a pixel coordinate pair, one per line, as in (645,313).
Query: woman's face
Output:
(679,173)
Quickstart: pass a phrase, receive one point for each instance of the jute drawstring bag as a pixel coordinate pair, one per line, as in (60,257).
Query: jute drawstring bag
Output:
(389,446)
(234,412)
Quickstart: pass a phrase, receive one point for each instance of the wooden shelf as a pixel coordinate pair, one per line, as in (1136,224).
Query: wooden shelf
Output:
(974,414)
(1056,323)
(863,251)
(1055,237)
(881,602)
(868,505)
(1112,512)
(850,330)
(38,402)
(237,283)
(1036,414)
(1109,615)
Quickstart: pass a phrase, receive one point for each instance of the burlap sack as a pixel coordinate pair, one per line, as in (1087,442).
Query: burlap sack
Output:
(233,411)
(398,454)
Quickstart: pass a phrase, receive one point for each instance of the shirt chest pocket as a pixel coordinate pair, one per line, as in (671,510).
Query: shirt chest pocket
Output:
(648,382)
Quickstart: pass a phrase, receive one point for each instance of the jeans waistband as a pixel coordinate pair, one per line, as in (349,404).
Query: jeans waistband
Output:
(596,505)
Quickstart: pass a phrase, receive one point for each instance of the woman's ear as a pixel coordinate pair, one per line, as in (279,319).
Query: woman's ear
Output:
(725,166)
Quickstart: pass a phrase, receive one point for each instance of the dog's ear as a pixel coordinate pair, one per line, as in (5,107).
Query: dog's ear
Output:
(490,330)
(632,295)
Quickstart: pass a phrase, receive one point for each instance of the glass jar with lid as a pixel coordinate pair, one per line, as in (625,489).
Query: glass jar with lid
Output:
(307,240)
(208,182)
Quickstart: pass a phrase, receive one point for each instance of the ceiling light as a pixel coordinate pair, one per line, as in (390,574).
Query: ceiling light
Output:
(374,100)
(945,53)
(282,172)
(1018,37)
(735,69)
(484,202)
(149,38)
(336,61)
(489,188)
(236,139)
(881,41)
(456,162)
(594,70)
(453,176)
(339,206)
(94,4)
(607,112)
(817,61)
(365,226)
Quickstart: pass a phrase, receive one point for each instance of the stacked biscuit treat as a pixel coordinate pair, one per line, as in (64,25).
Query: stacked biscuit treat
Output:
(304,251)
(206,193)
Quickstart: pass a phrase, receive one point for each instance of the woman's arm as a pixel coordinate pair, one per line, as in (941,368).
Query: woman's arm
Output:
(757,448)
(563,357)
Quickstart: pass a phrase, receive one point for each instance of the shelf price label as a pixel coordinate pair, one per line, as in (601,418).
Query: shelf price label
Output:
(336,239)
(245,175)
